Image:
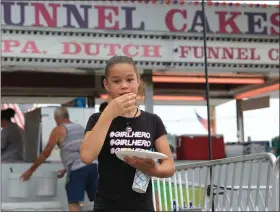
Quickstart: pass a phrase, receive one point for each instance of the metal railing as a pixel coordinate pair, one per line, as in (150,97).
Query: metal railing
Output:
(243,183)
(277,184)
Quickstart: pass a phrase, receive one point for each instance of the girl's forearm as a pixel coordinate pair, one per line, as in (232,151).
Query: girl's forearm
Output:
(164,170)
(94,140)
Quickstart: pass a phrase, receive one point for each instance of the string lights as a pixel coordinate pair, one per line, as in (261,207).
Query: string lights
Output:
(208,3)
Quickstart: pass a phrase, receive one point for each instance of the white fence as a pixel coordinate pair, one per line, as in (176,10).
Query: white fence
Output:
(244,183)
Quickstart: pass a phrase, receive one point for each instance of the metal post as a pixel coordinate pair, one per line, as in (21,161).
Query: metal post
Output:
(207,92)
(91,101)
(149,91)
(240,121)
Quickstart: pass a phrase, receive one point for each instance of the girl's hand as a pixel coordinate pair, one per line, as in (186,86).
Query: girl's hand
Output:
(121,105)
(147,166)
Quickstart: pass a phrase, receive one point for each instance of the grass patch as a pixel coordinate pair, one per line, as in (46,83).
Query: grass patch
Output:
(187,195)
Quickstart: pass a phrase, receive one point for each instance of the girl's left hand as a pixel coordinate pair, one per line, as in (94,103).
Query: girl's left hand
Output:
(147,166)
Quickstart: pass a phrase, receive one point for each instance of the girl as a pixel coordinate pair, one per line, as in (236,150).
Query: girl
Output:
(105,135)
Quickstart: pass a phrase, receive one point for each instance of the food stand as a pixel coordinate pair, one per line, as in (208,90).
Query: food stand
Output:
(48,44)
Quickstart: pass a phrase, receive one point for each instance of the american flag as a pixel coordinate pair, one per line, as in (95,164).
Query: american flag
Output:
(20,109)
(203,122)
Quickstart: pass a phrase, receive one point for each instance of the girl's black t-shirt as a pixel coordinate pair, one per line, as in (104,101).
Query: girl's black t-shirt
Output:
(116,176)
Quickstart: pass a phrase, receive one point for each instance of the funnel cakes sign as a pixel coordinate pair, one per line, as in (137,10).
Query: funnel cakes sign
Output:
(141,16)
(154,50)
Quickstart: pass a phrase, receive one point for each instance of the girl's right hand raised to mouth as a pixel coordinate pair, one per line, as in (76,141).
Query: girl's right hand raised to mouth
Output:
(121,105)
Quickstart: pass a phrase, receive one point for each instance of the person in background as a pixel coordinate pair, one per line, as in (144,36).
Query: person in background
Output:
(102,106)
(11,138)
(81,178)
